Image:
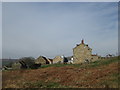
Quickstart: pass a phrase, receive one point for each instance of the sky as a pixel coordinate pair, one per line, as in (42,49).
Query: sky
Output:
(60,0)
(51,29)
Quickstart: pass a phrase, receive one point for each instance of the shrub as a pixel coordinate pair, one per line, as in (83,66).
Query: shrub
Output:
(29,62)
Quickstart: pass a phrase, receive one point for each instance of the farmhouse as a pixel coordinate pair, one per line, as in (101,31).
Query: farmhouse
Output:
(58,59)
(43,60)
(83,53)
(94,57)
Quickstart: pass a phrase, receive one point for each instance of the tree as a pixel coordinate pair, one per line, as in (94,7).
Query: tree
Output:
(28,61)
(9,64)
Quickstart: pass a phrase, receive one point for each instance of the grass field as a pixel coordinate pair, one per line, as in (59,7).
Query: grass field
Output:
(99,74)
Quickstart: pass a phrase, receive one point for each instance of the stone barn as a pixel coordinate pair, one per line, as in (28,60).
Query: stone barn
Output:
(94,57)
(42,60)
(58,59)
(83,53)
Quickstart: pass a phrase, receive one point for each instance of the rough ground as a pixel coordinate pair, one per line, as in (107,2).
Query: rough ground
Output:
(94,75)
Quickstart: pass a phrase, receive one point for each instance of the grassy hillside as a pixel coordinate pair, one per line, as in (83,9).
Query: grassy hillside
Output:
(99,74)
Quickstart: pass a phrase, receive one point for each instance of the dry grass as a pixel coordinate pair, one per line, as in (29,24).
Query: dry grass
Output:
(65,76)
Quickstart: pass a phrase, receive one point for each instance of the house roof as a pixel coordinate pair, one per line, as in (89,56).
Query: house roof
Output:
(94,54)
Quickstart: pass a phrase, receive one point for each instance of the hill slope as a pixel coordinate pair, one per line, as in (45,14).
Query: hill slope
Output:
(99,74)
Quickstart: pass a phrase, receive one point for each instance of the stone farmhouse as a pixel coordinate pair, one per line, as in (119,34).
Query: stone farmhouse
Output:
(58,59)
(83,53)
(43,60)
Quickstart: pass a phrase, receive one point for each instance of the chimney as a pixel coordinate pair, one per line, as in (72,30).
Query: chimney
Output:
(82,41)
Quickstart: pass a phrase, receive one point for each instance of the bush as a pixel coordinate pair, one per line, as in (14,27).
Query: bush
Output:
(28,61)
(35,66)
(9,64)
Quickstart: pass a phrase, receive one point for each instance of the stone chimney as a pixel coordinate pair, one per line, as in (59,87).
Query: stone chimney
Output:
(82,41)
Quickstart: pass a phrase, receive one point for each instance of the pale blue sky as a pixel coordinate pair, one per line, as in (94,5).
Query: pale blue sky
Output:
(50,29)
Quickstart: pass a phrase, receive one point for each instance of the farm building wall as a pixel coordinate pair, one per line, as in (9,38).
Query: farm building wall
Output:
(41,60)
(58,59)
(83,52)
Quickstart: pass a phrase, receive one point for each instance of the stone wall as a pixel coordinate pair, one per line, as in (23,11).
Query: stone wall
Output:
(41,60)
(58,59)
(94,58)
(81,52)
